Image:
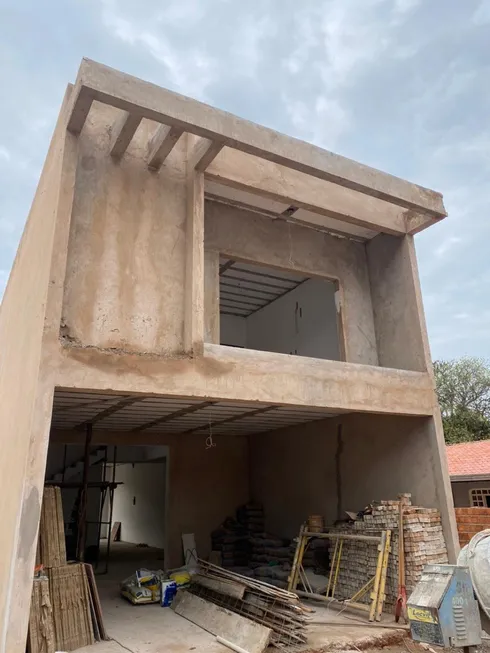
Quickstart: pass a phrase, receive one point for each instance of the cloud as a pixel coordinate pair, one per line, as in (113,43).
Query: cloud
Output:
(4,153)
(397,84)
(446,246)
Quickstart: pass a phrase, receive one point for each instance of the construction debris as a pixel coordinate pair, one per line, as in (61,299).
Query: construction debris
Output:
(234,628)
(275,608)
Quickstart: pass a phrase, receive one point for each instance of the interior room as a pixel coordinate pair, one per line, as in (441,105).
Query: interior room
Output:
(211,471)
(271,310)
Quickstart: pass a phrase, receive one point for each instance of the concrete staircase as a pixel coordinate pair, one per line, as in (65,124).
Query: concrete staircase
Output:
(76,467)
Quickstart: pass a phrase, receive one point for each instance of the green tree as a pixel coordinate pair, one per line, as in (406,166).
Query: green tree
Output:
(463,388)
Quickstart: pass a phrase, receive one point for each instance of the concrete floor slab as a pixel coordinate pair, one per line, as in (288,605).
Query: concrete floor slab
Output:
(153,629)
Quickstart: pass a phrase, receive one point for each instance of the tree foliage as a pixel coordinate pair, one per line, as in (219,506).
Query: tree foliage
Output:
(463,388)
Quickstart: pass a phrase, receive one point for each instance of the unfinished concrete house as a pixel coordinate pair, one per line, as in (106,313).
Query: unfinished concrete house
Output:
(240,307)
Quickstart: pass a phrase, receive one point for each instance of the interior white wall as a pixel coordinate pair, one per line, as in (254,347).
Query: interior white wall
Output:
(139,504)
(233,330)
(302,322)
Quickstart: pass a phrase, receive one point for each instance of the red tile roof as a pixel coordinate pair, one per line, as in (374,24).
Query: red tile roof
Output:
(469,458)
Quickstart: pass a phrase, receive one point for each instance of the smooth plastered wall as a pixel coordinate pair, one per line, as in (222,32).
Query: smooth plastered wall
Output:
(139,503)
(205,486)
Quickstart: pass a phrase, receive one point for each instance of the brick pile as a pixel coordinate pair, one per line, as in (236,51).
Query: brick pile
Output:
(423,539)
(471,521)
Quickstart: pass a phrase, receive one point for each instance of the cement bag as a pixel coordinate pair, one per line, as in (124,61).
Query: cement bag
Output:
(476,556)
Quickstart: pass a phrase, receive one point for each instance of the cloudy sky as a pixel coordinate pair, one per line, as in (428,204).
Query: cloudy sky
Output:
(402,85)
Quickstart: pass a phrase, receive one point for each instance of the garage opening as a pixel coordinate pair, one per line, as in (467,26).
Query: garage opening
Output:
(278,311)
(244,478)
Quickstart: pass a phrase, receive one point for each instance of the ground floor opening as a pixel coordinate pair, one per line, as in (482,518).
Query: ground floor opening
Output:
(241,479)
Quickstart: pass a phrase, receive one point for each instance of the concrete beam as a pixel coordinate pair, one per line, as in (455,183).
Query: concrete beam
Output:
(161,145)
(98,82)
(323,198)
(123,131)
(194,259)
(206,152)
(232,374)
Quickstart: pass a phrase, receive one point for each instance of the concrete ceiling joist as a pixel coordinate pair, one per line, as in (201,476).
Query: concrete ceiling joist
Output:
(103,84)
(204,153)
(235,418)
(127,401)
(161,145)
(123,130)
(178,413)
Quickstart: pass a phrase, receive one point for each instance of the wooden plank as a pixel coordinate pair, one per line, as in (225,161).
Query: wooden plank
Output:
(161,145)
(129,93)
(123,131)
(223,586)
(52,549)
(222,622)
(115,531)
(94,592)
(41,637)
(68,589)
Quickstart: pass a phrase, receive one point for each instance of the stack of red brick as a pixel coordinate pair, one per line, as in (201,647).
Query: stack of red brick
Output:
(471,521)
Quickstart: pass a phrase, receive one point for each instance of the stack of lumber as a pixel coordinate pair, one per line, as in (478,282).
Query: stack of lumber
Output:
(69,592)
(271,607)
(65,608)
(52,550)
(41,638)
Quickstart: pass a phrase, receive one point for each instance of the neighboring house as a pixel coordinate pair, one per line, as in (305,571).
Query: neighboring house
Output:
(469,469)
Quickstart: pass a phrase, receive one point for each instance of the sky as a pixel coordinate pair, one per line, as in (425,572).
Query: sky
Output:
(401,85)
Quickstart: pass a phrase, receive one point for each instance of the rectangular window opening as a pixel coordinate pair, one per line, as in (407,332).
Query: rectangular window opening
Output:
(266,309)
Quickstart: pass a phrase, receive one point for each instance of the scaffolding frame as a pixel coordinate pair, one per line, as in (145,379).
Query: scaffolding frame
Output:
(376,585)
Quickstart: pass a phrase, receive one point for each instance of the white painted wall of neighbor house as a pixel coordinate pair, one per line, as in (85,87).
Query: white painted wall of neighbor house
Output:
(139,504)
(302,322)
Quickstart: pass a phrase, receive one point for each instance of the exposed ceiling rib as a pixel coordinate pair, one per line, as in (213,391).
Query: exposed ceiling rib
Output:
(235,418)
(127,401)
(172,416)
(246,288)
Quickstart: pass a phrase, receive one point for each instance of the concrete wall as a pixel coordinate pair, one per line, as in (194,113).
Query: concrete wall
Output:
(399,321)
(381,457)
(250,237)
(205,486)
(139,504)
(124,285)
(461,491)
(27,310)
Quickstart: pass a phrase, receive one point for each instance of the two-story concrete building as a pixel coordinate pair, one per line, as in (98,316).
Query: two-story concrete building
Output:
(192,280)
